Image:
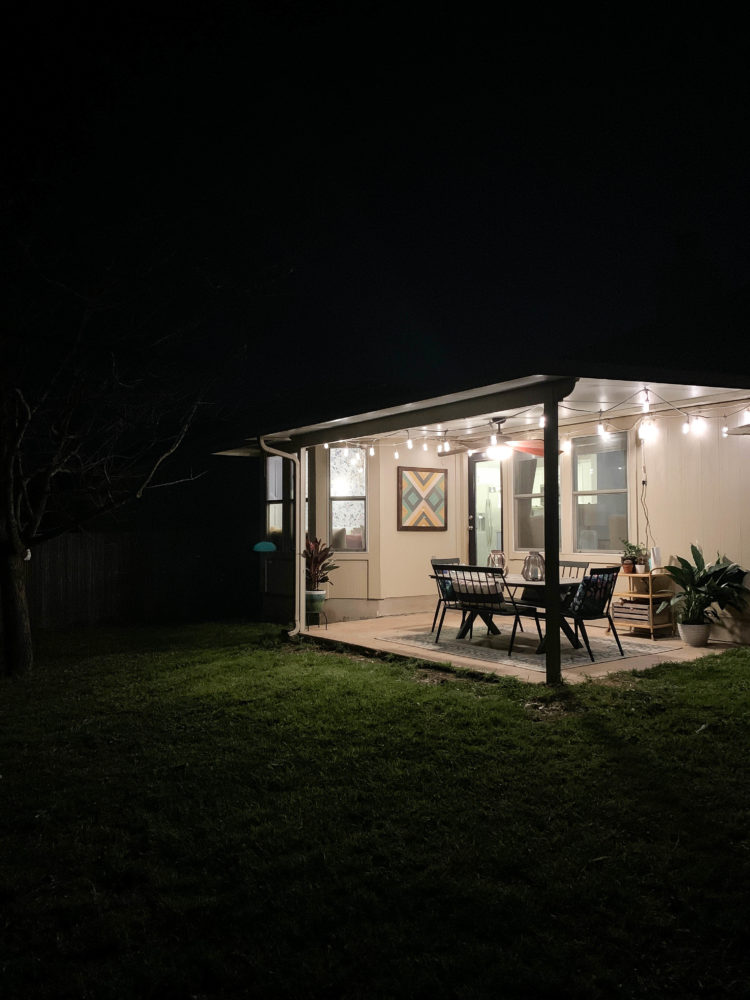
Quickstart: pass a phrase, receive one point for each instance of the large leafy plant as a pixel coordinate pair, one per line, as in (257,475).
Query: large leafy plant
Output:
(318,563)
(702,586)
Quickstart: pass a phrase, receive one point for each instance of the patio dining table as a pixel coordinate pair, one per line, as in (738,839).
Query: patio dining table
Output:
(568,586)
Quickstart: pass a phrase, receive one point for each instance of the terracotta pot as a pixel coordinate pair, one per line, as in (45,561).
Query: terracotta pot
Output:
(628,566)
(694,635)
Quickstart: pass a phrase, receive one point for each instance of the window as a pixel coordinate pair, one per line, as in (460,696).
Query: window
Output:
(348,493)
(275,499)
(528,483)
(600,492)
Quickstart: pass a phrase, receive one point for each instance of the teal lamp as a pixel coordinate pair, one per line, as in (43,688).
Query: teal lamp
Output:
(264,547)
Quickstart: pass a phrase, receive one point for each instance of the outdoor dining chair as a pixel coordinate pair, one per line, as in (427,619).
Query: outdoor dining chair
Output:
(591,602)
(441,588)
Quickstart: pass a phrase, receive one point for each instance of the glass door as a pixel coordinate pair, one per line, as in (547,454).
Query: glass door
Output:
(485,509)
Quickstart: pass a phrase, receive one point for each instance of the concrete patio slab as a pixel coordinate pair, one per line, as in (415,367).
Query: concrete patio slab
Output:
(388,635)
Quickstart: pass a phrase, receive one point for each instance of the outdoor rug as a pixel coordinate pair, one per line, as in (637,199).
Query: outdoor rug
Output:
(494,648)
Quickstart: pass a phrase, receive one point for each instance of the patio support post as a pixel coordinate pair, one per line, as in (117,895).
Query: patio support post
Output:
(552,539)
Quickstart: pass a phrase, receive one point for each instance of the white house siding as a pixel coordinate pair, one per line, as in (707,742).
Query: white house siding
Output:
(698,491)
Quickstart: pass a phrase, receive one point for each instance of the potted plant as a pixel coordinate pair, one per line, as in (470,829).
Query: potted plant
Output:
(701,587)
(633,554)
(318,564)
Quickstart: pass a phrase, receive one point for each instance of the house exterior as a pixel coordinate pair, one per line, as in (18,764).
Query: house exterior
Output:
(655,459)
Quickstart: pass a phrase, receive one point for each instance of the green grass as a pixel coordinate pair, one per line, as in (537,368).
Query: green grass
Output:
(214,812)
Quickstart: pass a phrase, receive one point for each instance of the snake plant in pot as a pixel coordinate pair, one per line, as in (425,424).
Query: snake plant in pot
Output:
(703,588)
(318,564)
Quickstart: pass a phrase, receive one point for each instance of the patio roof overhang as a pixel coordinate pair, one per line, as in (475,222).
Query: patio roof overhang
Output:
(519,401)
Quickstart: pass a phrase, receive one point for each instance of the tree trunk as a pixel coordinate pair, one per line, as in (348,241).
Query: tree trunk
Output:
(17,647)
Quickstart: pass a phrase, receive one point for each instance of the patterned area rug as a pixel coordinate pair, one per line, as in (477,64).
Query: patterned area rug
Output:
(494,648)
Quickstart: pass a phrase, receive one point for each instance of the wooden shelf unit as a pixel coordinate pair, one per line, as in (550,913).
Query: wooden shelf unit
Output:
(636,598)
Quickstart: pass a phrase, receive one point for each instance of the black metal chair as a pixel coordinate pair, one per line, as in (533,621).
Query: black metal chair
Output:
(450,561)
(591,602)
(478,593)
(573,568)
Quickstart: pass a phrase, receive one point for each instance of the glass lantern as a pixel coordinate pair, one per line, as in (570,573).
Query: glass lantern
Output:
(533,566)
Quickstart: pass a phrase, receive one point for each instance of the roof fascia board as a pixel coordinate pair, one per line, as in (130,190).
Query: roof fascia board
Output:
(529,391)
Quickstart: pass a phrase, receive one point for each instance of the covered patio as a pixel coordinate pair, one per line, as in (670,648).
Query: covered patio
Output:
(688,489)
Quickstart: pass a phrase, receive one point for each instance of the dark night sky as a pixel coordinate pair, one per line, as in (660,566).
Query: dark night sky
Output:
(441,186)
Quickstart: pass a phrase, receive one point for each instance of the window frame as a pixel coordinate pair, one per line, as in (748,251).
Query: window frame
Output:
(575,493)
(349,498)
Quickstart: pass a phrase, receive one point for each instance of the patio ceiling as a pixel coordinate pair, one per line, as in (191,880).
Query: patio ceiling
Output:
(466,419)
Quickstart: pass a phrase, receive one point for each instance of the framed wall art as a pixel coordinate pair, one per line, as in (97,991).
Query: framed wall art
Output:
(422,500)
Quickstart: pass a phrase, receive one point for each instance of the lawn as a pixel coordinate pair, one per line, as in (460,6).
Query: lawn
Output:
(212,811)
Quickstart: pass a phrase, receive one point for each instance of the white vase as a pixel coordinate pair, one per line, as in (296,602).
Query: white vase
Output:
(694,635)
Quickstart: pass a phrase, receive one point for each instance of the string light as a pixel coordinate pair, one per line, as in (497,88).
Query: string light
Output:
(647,430)
(409,442)
(395,453)
(686,425)
(372,450)
(646,402)
(542,420)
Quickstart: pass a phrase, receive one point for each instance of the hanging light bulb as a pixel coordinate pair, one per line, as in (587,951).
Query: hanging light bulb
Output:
(499,453)
(395,453)
(409,442)
(725,430)
(326,446)
(424,446)
(372,450)
(699,426)
(542,420)
(447,445)
(600,425)
(686,425)
(470,452)
(493,439)
(646,402)
(647,430)
(567,446)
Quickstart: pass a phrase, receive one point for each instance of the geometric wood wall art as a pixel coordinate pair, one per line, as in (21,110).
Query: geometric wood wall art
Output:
(422,499)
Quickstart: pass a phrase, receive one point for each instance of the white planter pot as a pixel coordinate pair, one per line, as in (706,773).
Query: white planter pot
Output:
(694,635)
